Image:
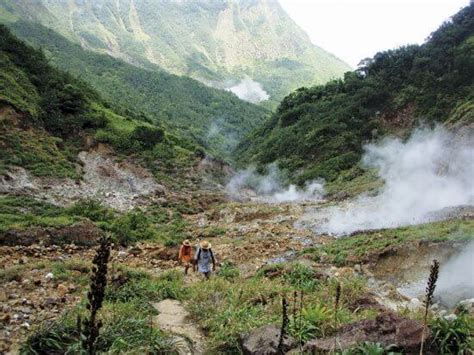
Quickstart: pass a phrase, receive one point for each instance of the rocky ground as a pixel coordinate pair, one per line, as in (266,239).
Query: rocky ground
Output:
(39,281)
(120,185)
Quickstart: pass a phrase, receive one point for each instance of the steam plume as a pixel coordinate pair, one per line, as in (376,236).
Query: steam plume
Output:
(249,90)
(431,171)
(456,278)
(271,187)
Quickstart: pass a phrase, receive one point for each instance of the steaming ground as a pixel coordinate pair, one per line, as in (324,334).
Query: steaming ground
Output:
(455,281)
(248,184)
(456,278)
(431,171)
(249,90)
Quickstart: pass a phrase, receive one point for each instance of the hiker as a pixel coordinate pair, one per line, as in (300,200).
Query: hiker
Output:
(186,255)
(204,257)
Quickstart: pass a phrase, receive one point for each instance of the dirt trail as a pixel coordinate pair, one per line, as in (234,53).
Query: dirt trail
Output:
(175,319)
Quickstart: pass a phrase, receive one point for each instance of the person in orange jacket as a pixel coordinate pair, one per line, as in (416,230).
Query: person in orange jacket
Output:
(186,255)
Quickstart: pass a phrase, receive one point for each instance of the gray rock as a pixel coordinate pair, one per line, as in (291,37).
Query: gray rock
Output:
(264,341)
(415,304)
(468,304)
(122,254)
(451,317)
(387,329)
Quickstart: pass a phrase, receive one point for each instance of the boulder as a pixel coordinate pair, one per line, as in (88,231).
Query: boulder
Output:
(81,233)
(387,329)
(166,253)
(264,341)
(23,237)
(468,305)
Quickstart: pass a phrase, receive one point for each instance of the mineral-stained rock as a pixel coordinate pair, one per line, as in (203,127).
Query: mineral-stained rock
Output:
(264,341)
(387,329)
(82,233)
(365,302)
(62,290)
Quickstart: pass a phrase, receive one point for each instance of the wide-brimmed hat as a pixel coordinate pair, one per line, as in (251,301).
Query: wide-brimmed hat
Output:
(205,245)
(186,243)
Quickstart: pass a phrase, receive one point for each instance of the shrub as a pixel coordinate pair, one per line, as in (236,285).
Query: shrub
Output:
(147,136)
(131,227)
(228,271)
(313,322)
(453,337)
(301,277)
(91,209)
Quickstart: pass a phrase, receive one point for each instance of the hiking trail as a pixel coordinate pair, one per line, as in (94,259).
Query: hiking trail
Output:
(174,318)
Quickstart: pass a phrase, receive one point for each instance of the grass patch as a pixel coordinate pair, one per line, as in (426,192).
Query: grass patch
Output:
(226,308)
(353,182)
(147,289)
(127,328)
(157,223)
(360,246)
(127,315)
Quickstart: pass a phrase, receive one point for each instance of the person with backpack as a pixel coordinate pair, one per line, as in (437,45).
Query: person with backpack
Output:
(203,259)
(186,255)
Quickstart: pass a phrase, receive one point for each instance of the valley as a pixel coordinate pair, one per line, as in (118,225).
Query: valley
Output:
(325,210)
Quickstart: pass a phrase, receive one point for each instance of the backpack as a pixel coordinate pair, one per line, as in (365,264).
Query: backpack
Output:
(199,254)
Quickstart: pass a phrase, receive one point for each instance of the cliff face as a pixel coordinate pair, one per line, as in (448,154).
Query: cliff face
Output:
(218,42)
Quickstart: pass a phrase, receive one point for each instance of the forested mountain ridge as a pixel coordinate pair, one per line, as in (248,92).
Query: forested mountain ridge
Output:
(214,119)
(320,131)
(47,117)
(218,42)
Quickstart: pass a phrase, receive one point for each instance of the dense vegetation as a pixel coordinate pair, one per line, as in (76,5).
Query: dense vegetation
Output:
(47,114)
(214,119)
(213,41)
(320,131)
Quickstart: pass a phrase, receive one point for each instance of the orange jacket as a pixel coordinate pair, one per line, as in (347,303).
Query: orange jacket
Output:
(186,253)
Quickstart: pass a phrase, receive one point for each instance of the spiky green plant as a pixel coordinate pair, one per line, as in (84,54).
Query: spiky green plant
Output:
(95,296)
(430,288)
(284,324)
(336,306)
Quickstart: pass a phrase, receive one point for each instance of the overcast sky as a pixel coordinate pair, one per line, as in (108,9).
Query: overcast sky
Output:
(357,29)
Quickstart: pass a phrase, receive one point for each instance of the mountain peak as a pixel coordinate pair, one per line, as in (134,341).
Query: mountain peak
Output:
(218,42)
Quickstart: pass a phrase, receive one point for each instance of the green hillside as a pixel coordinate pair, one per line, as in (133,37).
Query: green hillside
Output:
(212,118)
(319,131)
(218,42)
(46,116)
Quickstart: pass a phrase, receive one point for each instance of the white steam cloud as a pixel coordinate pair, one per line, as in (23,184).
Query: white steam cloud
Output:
(248,184)
(249,90)
(456,278)
(431,171)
